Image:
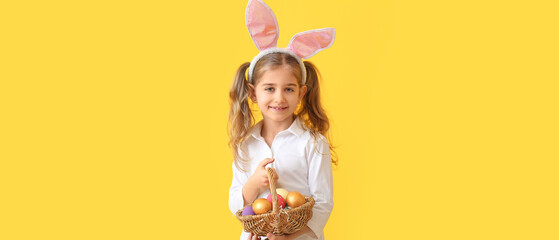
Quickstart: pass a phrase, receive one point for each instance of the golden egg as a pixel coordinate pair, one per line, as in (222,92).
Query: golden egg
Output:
(295,199)
(261,205)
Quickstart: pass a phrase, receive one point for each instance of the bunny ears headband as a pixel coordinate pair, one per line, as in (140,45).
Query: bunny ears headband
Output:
(264,31)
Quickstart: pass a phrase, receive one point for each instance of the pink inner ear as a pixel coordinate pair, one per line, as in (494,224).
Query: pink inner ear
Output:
(262,24)
(307,44)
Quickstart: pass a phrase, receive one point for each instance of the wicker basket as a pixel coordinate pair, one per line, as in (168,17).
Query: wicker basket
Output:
(278,221)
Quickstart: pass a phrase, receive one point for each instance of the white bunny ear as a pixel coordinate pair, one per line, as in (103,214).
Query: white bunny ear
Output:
(262,24)
(307,44)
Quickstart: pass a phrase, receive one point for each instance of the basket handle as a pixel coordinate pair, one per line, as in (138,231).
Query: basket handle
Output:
(271,178)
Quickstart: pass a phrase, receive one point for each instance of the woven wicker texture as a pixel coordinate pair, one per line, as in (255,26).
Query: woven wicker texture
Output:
(278,221)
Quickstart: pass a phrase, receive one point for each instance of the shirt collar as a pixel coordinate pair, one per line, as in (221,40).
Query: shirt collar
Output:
(297,128)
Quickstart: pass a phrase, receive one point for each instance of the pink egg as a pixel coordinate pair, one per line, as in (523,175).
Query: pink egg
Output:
(281,201)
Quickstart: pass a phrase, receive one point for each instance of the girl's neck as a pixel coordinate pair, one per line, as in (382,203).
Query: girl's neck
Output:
(270,129)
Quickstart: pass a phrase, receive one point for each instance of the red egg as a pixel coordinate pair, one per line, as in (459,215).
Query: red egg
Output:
(281,201)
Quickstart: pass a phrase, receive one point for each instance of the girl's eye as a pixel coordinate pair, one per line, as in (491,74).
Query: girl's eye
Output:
(289,90)
(269,89)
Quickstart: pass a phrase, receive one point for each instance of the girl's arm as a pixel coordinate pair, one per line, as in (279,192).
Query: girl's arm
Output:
(258,182)
(320,184)
(235,192)
(250,193)
(303,231)
(245,188)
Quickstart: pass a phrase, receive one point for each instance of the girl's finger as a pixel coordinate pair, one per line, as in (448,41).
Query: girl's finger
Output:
(250,236)
(263,163)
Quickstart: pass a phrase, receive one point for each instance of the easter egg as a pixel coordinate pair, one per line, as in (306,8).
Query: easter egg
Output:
(248,211)
(281,201)
(282,192)
(295,199)
(261,205)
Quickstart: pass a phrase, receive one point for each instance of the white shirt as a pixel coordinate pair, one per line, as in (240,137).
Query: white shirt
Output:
(302,163)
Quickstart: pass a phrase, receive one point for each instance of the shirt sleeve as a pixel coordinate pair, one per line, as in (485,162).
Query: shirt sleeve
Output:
(236,201)
(320,185)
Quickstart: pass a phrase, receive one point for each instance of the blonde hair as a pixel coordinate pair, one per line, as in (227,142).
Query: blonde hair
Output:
(310,110)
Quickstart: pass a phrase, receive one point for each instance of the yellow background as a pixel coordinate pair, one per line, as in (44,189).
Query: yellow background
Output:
(113,117)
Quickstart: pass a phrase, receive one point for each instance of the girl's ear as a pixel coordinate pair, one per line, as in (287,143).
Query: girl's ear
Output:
(251,92)
(302,92)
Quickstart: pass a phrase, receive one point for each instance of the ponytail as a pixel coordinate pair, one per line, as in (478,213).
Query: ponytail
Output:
(312,111)
(240,114)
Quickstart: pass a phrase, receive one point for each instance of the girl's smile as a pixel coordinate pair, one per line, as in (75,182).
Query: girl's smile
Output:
(278,108)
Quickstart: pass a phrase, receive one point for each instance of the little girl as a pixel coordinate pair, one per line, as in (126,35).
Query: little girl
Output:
(291,135)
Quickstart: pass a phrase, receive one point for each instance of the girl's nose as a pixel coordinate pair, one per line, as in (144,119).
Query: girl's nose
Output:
(279,97)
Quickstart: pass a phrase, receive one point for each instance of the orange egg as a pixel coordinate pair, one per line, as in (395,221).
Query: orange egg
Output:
(261,205)
(295,199)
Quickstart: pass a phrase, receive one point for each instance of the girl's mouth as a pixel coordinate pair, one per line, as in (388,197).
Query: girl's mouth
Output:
(278,108)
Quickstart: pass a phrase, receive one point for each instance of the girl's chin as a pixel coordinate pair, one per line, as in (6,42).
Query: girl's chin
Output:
(279,117)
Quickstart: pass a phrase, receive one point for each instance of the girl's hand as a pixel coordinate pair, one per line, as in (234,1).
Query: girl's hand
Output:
(271,236)
(259,178)
(253,237)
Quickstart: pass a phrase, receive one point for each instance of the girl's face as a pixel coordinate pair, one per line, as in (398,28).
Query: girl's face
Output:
(277,94)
